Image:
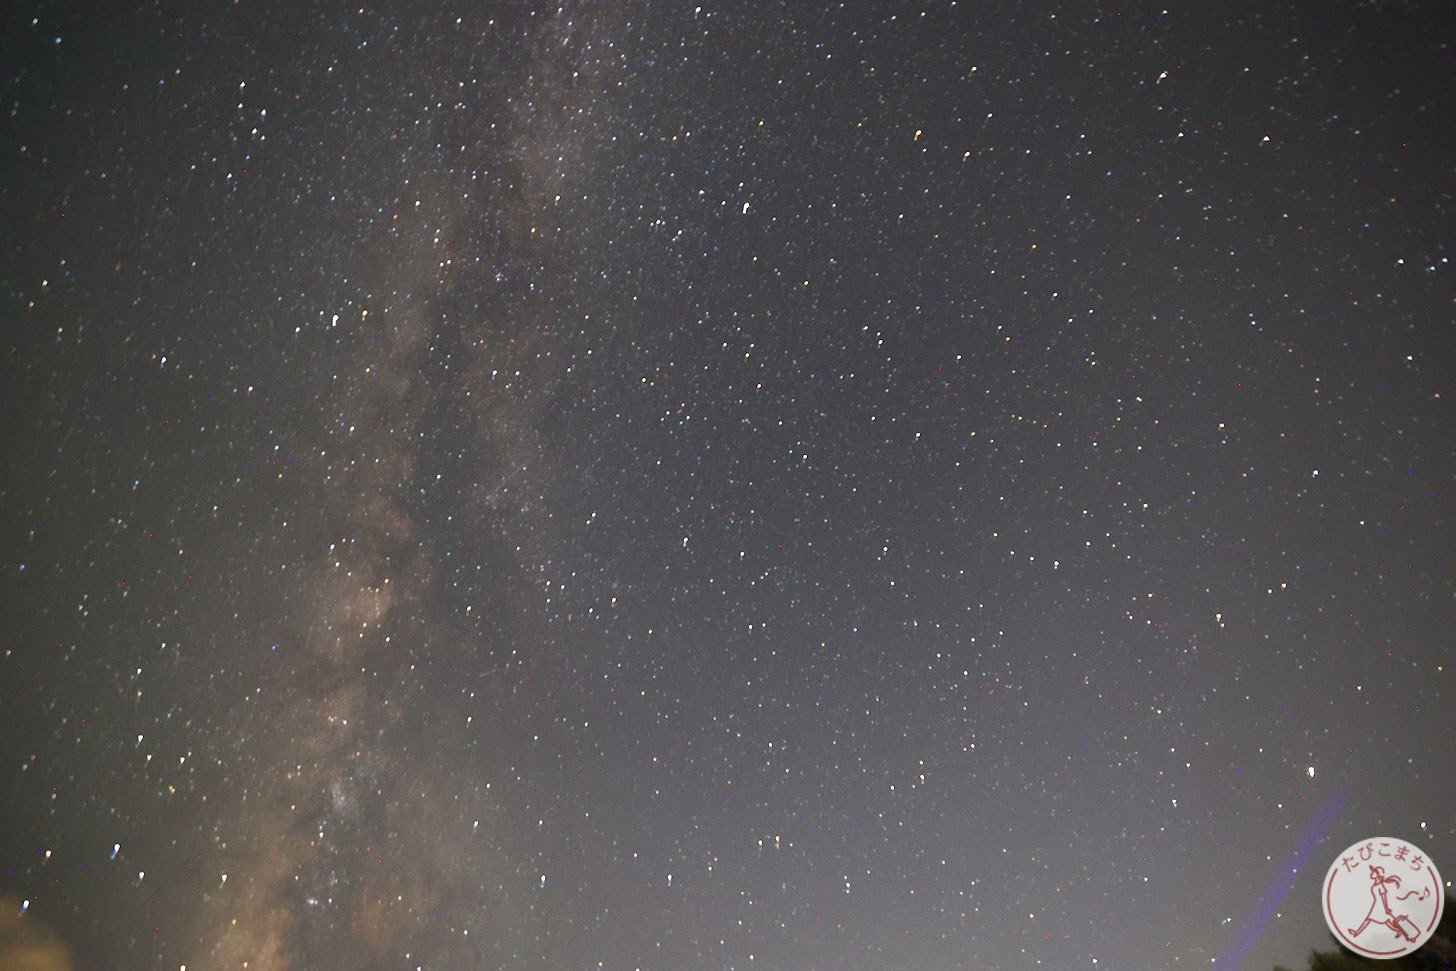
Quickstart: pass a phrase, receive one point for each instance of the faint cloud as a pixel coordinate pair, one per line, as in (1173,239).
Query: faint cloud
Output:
(28,945)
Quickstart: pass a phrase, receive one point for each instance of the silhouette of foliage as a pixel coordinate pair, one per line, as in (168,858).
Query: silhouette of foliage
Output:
(1437,954)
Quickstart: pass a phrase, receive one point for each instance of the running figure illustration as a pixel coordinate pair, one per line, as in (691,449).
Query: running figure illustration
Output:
(1380,913)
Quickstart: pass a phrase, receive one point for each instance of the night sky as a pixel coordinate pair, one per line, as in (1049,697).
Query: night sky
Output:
(622,485)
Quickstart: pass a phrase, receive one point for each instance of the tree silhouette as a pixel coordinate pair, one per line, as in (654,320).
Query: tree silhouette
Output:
(1437,954)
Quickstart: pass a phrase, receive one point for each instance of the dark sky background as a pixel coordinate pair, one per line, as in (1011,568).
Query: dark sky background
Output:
(759,485)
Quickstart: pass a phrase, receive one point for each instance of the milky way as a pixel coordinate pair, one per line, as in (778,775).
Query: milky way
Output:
(625,485)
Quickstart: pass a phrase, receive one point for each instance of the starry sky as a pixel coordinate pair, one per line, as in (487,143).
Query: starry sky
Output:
(620,485)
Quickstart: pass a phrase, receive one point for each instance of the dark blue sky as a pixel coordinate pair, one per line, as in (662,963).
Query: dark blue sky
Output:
(617,485)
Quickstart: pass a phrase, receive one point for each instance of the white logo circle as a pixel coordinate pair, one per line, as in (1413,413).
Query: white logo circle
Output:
(1383,897)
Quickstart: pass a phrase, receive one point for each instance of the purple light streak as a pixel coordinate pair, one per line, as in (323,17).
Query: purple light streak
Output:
(1280,883)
